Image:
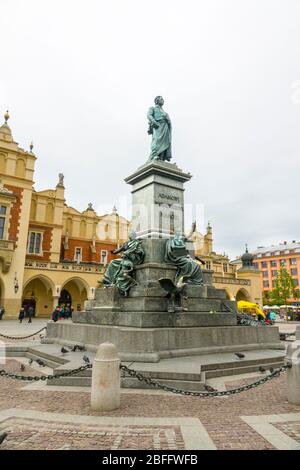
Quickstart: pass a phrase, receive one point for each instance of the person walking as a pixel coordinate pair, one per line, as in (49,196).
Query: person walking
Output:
(2,312)
(55,313)
(67,312)
(30,313)
(21,314)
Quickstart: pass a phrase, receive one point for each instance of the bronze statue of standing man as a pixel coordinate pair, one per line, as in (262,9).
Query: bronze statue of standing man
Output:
(160,129)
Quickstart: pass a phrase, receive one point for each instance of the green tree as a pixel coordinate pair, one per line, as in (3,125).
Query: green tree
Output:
(284,288)
(265,297)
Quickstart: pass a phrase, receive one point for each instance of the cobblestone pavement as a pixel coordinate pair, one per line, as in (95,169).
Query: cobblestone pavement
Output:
(291,429)
(45,418)
(15,328)
(42,434)
(40,419)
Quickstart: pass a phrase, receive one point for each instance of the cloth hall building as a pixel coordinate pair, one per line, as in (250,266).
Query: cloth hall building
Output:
(50,253)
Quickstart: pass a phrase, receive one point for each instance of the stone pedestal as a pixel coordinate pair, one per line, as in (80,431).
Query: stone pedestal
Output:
(293,374)
(157,199)
(147,303)
(153,344)
(141,325)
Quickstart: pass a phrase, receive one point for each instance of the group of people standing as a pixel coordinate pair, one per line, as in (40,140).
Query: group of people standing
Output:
(26,312)
(62,312)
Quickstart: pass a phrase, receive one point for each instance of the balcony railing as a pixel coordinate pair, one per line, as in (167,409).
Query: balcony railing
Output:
(64,266)
(7,245)
(228,280)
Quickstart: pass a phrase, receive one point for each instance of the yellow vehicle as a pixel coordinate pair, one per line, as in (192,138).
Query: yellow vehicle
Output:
(250,308)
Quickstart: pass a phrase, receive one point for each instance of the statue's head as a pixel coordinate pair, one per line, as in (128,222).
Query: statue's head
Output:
(178,239)
(177,235)
(159,100)
(132,235)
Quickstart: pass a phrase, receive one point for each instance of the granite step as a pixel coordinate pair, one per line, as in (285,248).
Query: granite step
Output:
(189,385)
(131,382)
(49,363)
(211,374)
(73,381)
(51,356)
(242,363)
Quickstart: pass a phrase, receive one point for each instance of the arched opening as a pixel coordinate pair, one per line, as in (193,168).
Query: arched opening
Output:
(77,290)
(242,294)
(20,168)
(38,293)
(65,298)
(65,302)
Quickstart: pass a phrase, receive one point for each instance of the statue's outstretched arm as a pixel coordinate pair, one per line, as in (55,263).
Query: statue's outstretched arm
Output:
(118,250)
(193,230)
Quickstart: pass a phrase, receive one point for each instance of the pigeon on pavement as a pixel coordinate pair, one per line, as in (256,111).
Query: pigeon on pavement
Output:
(64,350)
(86,359)
(262,370)
(3,436)
(208,388)
(22,367)
(80,348)
(240,355)
(30,361)
(40,362)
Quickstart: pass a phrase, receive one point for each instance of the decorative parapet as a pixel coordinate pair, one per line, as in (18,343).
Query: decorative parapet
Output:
(227,280)
(64,266)
(6,253)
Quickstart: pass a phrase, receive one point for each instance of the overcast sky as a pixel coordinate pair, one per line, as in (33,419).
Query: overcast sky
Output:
(78,78)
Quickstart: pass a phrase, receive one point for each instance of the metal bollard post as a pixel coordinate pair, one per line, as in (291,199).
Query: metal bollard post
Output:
(105,393)
(293,374)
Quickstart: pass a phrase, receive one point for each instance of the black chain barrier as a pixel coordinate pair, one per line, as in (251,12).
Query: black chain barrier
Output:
(160,386)
(23,337)
(4,373)
(153,383)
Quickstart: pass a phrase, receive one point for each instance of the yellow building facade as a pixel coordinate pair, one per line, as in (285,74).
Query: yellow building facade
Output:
(50,253)
(241,282)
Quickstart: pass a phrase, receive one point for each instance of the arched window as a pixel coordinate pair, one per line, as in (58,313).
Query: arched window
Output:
(82,229)
(172,222)
(160,223)
(33,209)
(20,168)
(69,226)
(49,213)
(2,163)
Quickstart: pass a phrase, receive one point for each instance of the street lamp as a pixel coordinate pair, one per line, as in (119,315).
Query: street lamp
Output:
(16,284)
